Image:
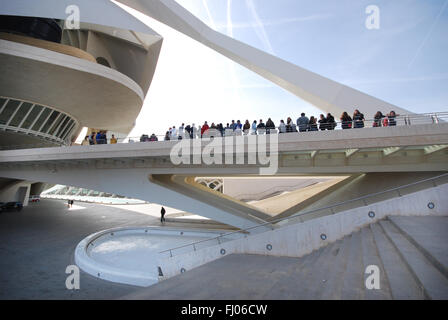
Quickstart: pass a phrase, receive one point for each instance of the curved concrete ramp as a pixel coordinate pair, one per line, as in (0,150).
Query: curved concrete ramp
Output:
(410,252)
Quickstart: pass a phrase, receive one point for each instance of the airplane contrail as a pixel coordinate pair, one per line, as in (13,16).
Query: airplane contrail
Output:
(259,27)
(210,18)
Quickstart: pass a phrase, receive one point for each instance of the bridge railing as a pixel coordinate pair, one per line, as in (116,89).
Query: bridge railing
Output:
(400,120)
(309,214)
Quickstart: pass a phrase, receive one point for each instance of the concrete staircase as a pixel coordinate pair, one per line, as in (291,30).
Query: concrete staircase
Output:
(410,252)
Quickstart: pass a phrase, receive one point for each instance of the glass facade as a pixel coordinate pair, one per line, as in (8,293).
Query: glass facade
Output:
(34,119)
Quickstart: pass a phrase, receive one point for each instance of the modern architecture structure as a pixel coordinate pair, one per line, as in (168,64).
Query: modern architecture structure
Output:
(56,80)
(97,76)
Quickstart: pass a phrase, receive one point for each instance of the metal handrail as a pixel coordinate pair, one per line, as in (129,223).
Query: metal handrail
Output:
(245,231)
(401,120)
(435,118)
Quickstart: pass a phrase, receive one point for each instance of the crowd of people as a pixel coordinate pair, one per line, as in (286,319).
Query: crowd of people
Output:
(98,138)
(302,124)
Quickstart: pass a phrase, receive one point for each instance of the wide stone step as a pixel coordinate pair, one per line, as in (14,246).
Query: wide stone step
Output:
(401,281)
(319,272)
(433,282)
(370,257)
(429,234)
(353,282)
(295,284)
(331,286)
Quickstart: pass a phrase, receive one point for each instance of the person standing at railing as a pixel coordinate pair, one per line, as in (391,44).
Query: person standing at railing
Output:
(312,125)
(113,140)
(153,137)
(246,127)
(204,128)
(261,127)
(194,131)
(282,127)
(269,126)
(302,122)
(188,131)
(238,128)
(98,137)
(173,133)
(330,121)
(167,136)
(346,121)
(92,140)
(233,125)
(391,118)
(86,141)
(377,119)
(322,122)
(358,119)
(181,131)
(254,128)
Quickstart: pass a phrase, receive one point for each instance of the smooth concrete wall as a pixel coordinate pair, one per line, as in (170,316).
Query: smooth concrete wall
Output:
(259,188)
(299,239)
(370,183)
(10,192)
(37,188)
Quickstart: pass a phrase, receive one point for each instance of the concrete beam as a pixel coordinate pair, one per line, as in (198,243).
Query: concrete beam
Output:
(435,148)
(392,150)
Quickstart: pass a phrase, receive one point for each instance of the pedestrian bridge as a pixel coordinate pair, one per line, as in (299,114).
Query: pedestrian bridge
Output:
(147,171)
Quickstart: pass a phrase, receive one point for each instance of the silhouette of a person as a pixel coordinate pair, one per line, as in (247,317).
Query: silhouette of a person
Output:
(162,215)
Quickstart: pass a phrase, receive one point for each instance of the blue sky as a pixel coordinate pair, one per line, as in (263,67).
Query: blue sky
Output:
(404,62)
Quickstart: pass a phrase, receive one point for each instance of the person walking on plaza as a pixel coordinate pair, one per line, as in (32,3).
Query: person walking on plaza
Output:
(162,215)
